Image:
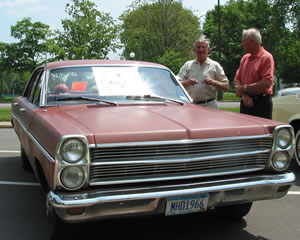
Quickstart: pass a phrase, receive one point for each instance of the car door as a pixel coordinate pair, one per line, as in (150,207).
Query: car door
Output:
(24,106)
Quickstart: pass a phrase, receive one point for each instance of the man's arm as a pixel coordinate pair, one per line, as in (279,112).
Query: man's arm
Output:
(251,89)
(224,86)
(189,82)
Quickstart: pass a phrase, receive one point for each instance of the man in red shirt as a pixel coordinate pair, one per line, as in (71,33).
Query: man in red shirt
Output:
(255,77)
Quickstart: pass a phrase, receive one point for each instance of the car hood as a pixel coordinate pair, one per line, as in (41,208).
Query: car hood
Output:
(162,122)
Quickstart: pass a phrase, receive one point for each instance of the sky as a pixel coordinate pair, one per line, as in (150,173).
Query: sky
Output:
(51,12)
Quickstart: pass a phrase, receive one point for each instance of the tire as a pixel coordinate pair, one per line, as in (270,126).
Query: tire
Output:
(25,162)
(297,148)
(234,212)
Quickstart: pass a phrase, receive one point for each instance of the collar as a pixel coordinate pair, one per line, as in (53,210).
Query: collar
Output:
(207,61)
(259,53)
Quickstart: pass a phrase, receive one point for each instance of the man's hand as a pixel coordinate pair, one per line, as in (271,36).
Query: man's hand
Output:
(240,91)
(189,82)
(192,81)
(209,81)
(248,101)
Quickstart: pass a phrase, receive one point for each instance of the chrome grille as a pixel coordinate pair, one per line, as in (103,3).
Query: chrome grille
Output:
(155,161)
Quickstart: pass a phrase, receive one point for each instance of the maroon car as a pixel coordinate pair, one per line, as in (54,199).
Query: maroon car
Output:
(110,139)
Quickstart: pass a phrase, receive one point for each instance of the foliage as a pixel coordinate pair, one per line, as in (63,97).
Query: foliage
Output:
(286,29)
(278,22)
(155,30)
(31,48)
(172,60)
(158,30)
(18,59)
(88,34)
(235,16)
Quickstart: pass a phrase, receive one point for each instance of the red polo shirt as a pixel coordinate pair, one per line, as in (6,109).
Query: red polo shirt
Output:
(254,68)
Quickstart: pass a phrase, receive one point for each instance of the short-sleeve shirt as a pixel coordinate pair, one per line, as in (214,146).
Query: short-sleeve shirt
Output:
(209,69)
(254,68)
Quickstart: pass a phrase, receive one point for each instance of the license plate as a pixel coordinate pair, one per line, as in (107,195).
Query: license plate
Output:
(186,204)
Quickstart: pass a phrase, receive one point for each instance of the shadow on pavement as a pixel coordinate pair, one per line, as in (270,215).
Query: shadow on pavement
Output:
(196,226)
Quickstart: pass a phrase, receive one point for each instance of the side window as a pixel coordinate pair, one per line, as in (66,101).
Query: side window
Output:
(37,92)
(33,88)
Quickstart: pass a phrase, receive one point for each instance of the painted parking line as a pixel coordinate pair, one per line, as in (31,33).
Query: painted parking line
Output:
(5,151)
(37,185)
(32,184)
(293,193)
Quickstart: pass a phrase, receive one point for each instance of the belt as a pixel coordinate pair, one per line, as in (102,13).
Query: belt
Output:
(260,96)
(205,101)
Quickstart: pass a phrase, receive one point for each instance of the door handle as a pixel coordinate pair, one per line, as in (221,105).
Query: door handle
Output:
(16,104)
(22,110)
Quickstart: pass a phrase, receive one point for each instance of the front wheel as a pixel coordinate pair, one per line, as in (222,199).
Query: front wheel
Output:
(297,148)
(234,212)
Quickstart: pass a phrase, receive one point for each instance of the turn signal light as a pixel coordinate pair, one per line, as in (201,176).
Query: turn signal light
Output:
(76,211)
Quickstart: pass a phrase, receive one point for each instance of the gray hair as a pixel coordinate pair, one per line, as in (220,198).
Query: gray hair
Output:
(202,40)
(252,34)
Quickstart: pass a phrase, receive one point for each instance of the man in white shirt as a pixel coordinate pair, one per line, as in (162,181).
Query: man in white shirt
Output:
(202,76)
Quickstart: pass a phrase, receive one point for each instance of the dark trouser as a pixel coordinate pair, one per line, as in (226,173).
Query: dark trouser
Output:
(262,106)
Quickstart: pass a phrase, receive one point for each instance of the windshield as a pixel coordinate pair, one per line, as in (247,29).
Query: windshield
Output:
(112,83)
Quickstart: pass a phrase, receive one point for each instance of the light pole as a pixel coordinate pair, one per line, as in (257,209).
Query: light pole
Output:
(220,93)
(219,31)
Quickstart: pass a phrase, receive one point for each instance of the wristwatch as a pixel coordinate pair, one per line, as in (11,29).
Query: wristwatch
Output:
(245,88)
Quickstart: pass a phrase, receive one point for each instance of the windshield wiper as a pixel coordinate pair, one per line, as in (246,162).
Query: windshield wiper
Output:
(149,96)
(86,99)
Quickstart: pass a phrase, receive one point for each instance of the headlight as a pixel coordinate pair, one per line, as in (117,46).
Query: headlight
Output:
(73,150)
(73,177)
(283,138)
(281,161)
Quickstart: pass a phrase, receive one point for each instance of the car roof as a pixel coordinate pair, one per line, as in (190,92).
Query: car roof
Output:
(72,63)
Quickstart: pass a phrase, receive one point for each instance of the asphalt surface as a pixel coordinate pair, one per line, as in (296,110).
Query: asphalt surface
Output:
(23,213)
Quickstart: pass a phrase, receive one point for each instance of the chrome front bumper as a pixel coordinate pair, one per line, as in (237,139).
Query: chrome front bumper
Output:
(137,201)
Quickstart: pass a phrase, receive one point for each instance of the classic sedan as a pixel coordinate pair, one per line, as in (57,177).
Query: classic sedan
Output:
(111,139)
(288,91)
(287,109)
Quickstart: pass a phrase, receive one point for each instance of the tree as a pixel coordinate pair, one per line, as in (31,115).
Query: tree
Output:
(235,16)
(20,58)
(32,47)
(155,30)
(286,31)
(89,33)
(278,22)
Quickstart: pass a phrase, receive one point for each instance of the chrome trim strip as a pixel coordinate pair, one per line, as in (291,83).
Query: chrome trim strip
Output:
(51,159)
(173,177)
(182,160)
(137,64)
(43,96)
(183,141)
(134,201)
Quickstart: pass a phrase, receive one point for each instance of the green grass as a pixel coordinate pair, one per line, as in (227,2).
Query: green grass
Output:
(230,97)
(5,114)
(6,99)
(235,109)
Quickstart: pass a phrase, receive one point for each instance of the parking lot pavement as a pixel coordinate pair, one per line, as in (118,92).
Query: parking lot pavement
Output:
(23,213)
